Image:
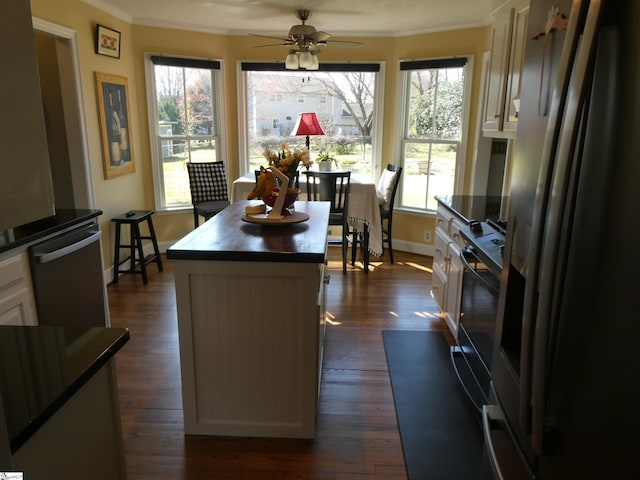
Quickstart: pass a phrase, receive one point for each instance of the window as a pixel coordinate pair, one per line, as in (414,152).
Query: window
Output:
(431,149)
(329,92)
(184,118)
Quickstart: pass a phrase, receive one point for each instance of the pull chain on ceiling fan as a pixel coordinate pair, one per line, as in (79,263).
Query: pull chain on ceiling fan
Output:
(305,42)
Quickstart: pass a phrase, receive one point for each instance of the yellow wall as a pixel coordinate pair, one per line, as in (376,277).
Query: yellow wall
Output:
(136,190)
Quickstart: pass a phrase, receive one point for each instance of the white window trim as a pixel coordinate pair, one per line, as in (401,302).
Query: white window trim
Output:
(152,115)
(401,127)
(376,146)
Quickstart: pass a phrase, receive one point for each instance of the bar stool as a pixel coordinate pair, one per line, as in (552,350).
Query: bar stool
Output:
(134,218)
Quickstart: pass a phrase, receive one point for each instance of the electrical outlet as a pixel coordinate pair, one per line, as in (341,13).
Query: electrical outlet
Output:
(427,236)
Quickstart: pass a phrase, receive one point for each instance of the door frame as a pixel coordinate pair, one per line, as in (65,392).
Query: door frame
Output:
(73,104)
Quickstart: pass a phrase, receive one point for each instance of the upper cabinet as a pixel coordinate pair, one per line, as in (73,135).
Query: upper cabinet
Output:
(504,75)
(26,186)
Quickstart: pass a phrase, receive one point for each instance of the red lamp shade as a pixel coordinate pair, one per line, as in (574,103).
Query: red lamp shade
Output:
(307,124)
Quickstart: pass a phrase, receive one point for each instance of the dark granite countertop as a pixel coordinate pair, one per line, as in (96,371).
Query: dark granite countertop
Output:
(31,232)
(43,367)
(227,237)
(473,207)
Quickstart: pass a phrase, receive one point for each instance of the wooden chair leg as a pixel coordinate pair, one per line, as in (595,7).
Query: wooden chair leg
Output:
(354,246)
(196,220)
(365,248)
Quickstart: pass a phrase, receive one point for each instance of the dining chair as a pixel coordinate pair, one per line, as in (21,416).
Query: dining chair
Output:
(386,189)
(209,191)
(333,187)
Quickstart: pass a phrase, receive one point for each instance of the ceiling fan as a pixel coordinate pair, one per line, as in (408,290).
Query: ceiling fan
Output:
(304,43)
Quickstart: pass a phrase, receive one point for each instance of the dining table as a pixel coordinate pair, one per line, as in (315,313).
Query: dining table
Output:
(364,210)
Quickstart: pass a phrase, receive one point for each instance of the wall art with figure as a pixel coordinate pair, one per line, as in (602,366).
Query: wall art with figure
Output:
(113,112)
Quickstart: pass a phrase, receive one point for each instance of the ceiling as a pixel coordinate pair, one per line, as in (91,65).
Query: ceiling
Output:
(359,18)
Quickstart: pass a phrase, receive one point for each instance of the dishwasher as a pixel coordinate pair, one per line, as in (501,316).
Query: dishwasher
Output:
(67,277)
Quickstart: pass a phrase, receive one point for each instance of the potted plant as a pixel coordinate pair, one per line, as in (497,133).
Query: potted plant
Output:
(325,161)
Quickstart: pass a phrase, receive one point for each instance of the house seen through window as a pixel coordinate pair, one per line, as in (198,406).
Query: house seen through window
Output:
(343,96)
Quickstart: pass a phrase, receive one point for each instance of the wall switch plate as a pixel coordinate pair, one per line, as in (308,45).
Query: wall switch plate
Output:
(427,236)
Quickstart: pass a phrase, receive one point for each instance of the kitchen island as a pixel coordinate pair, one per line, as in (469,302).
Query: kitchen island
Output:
(251,306)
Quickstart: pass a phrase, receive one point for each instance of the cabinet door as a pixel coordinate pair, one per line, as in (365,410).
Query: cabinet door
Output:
(438,286)
(440,250)
(516,62)
(494,97)
(16,294)
(15,309)
(454,289)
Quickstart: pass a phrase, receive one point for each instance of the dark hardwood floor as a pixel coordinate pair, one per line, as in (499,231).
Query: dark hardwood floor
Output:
(357,433)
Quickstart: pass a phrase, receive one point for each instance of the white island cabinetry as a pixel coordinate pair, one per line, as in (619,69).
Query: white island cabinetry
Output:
(251,303)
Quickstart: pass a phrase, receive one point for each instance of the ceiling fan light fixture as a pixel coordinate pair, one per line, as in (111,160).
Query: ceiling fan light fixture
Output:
(315,64)
(306,60)
(291,62)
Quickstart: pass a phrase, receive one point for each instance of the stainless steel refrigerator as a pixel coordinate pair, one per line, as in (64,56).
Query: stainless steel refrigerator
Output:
(565,399)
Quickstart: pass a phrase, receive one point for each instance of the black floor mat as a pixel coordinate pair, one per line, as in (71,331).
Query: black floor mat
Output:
(441,432)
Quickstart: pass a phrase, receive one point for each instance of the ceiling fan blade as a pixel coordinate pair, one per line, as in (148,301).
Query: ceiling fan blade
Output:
(285,44)
(272,38)
(338,43)
(319,36)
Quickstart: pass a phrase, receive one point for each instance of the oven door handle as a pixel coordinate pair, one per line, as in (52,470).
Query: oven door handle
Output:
(473,271)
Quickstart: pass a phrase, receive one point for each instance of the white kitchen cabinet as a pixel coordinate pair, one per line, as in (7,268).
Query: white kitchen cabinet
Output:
(516,62)
(454,288)
(503,83)
(251,321)
(250,346)
(446,284)
(16,293)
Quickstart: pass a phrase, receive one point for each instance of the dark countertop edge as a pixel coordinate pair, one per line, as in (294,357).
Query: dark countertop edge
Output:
(446,203)
(47,226)
(246,256)
(82,379)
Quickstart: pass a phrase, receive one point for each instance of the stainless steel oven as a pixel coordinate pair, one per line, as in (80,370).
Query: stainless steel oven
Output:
(472,355)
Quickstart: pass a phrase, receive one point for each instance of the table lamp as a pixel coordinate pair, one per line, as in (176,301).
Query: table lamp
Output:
(307,124)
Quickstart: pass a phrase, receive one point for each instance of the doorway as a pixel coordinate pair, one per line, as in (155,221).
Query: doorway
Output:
(61,86)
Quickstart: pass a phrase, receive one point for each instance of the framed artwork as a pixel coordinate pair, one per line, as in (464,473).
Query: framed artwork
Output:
(113,114)
(107,41)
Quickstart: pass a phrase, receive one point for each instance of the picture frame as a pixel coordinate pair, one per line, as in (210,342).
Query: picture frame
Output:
(107,41)
(115,133)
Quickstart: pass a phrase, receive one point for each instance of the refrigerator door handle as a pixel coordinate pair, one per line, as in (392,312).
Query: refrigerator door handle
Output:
(534,254)
(492,413)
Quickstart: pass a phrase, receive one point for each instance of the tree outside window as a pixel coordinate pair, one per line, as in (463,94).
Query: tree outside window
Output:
(343,101)
(432,132)
(185,114)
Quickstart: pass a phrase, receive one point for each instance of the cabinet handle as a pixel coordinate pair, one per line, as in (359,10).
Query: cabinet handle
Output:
(440,220)
(456,235)
(496,115)
(326,279)
(438,250)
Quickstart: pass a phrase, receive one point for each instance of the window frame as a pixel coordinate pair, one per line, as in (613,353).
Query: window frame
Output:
(217,89)
(402,123)
(378,102)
